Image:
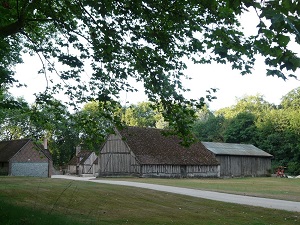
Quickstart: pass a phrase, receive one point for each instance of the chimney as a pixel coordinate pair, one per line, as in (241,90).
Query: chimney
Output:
(78,149)
(45,143)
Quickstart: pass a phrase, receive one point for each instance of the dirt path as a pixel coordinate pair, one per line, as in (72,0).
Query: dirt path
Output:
(237,199)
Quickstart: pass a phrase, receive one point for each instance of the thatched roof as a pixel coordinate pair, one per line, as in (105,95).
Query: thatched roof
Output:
(150,146)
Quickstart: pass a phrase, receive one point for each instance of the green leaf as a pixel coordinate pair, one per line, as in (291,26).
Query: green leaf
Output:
(283,40)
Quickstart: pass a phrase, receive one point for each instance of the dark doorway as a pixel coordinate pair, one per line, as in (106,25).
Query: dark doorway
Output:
(183,171)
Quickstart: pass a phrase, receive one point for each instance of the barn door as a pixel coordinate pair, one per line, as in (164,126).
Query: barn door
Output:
(183,171)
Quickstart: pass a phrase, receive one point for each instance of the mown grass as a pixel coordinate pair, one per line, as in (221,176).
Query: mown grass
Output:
(268,187)
(56,201)
(14,214)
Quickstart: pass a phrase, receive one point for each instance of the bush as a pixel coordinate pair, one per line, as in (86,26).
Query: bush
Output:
(293,168)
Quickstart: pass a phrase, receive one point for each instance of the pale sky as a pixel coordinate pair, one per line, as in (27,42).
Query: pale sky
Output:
(230,83)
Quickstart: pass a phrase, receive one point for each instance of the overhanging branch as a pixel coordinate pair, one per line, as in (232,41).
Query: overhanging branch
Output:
(12,28)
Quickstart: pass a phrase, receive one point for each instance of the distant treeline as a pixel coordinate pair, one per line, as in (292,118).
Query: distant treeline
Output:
(252,120)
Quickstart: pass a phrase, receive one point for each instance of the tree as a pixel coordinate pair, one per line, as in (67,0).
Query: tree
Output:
(291,100)
(254,104)
(210,129)
(144,39)
(52,120)
(279,134)
(92,124)
(241,129)
(14,121)
(141,115)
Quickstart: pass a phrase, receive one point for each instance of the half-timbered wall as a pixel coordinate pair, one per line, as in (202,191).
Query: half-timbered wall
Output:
(179,171)
(115,158)
(87,167)
(243,166)
(72,169)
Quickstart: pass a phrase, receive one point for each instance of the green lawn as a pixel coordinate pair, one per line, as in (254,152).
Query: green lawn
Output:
(56,201)
(268,187)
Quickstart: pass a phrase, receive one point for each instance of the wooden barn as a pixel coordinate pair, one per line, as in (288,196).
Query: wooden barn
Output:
(238,160)
(25,158)
(146,152)
(84,163)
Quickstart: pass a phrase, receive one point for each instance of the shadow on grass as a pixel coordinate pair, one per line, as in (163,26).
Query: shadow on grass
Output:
(12,214)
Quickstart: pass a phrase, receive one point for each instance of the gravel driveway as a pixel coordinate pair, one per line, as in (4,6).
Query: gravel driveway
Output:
(238,199)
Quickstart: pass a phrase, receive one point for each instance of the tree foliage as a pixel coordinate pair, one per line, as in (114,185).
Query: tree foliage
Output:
(252,120)
(143,39)
(253,104)
(211,129)
(241,129)
(92,124)
(279,133)
(208,126)
(140,115)
(14,120)
(291,99)
(52,120)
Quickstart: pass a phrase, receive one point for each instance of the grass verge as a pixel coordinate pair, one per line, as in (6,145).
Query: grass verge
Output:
(267,187)
(55,201)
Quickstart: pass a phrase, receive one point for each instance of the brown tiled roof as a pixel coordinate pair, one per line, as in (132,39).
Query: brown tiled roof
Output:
(9,148)
(150,146)
(82,154)
(47,153)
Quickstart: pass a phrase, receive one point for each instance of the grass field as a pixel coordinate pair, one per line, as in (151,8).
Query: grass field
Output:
(55,201)
(268,187)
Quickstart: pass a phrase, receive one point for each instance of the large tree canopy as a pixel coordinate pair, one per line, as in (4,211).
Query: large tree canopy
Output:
(93,47)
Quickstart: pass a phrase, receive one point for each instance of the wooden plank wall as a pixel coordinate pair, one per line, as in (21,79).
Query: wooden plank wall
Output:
(71,169)
(87,167)
(179,171)
(116,159)
(244,166)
